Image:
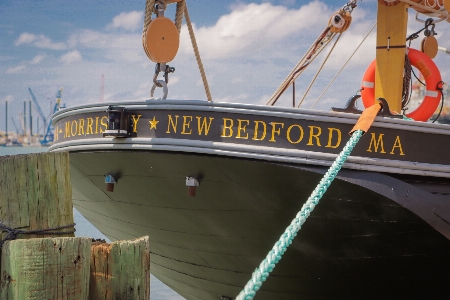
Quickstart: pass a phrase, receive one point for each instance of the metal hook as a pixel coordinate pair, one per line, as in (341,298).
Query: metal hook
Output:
(160,83)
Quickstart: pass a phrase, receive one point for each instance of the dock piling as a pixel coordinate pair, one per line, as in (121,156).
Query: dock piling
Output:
(120,270)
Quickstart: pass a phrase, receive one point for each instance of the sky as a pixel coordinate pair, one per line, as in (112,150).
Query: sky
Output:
(247,48)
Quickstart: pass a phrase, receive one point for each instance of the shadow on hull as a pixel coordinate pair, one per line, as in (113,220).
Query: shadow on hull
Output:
(372,236)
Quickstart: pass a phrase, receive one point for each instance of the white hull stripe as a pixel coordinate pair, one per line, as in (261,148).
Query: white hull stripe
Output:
(433,94)
(368,84)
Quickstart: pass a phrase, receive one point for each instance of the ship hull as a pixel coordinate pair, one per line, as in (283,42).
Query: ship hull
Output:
(382,230)
(357,243)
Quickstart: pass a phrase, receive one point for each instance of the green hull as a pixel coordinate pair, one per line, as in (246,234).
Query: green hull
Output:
(361,241)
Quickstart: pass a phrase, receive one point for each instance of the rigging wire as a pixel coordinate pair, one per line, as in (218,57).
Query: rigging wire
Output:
(351,56)
(316,48)
(318,71)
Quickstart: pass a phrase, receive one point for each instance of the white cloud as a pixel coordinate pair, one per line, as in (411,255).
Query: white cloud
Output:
(40,41)
(9,98)
(131,21)
(117,47)
(98,40)
(16,70)
(25,38)
(70,57)
(37,59)
(174,80)
(255,27)
(237,80)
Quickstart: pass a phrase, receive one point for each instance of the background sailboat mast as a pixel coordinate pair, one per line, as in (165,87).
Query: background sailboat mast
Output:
(391,35)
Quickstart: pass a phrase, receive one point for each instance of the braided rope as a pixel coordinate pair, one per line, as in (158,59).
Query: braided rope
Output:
(149,9)
(197,52)
(319,70)
(181,6)
(441,13)
(12,233)
(273,257)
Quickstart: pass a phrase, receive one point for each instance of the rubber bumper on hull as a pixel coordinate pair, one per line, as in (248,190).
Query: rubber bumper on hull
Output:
(360,241)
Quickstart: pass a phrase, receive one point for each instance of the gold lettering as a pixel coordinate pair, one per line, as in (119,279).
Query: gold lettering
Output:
(81,127)
(135,121)
(330,138)
(74,122)
(96,125)
(56,133)
(203,124)
(225,127)
(242,128)
(186,125)
(174,125)
(67,131)
(255,136)
(288,134)
(90,122)
(104,122)
(376,143)
(275,130)
(398,145)
(315,135)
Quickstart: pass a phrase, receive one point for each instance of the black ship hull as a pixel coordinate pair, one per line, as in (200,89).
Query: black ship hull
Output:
(376,233)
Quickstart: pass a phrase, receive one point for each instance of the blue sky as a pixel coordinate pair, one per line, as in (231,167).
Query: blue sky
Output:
(248,47)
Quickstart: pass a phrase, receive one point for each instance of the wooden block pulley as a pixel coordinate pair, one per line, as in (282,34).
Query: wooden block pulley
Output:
(162,40)
(429,46)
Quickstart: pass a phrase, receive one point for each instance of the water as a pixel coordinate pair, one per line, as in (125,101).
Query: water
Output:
(158,290)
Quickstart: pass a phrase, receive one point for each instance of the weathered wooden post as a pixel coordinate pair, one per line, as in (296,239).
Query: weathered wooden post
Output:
(46,268)
(120,270)
(36,201)
(35,193)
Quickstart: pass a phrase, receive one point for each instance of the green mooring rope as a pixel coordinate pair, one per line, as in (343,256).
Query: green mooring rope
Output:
(274,256)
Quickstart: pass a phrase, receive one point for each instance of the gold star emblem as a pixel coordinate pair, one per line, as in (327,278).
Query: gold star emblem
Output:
(153,123)
(60,131)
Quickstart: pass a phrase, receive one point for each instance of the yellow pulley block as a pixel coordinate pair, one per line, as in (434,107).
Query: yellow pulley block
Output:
(340,21)
(429,46)
(162,40)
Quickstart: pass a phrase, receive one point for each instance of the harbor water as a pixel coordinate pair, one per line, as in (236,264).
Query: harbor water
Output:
(158,290)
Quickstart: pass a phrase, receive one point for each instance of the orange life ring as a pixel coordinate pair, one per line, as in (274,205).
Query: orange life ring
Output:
(432,80)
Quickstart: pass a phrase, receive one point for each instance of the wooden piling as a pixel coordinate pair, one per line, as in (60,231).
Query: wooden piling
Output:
(46,268)
(120,270)
(35,192)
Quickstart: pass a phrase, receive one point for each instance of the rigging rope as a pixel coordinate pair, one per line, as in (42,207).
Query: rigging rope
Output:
(179,15)
(274,256)
(197,52)
(351,56)
(316,48)
(318,71)
(149,8)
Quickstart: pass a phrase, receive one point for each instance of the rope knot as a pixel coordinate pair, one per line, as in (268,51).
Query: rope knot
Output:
(13,233)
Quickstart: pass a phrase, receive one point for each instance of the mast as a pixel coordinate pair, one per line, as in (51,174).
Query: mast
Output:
(391,46)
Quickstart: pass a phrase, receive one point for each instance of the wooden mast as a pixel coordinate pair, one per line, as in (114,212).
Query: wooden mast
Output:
(391,46)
